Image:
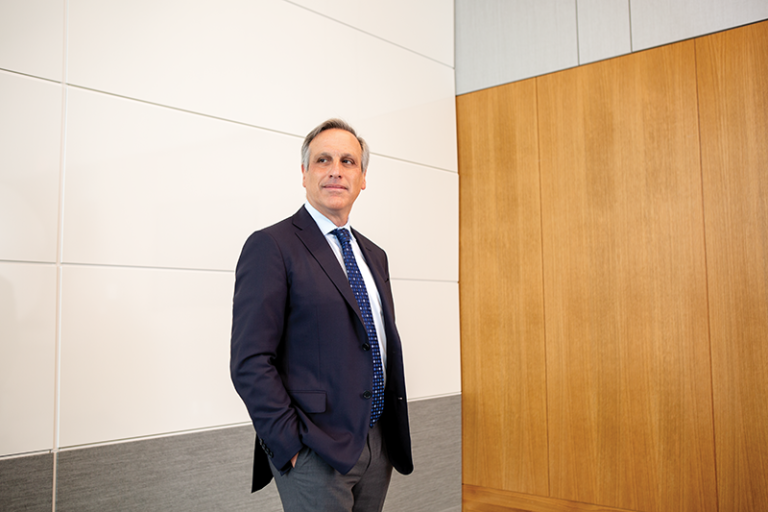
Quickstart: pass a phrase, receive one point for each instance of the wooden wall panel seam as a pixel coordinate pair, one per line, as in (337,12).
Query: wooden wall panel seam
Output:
(732,70)
(706,264)
(543,284)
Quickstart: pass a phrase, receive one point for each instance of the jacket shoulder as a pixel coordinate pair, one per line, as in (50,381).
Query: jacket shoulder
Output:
(279,230)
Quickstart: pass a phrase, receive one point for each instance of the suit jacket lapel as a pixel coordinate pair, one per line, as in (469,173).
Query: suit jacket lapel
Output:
(378,277)
(315,242)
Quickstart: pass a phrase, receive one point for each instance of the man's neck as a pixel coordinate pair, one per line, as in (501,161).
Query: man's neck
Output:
(317,214)
(340,219)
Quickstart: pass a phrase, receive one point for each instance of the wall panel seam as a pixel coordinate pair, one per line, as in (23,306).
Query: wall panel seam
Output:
(696,45)
(578,48)
(19,73)
(235,122)
(59,257)
(178,109)
(543,283)
(629,14)
(370,34)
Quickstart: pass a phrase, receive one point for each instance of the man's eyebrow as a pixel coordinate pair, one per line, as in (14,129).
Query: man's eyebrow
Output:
(329,154)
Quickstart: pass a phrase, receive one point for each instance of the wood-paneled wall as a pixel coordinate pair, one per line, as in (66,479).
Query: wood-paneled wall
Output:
(614,283)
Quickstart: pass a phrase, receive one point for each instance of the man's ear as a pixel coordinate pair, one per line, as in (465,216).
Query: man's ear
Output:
(303,177)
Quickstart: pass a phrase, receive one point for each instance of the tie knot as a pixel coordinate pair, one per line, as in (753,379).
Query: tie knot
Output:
(342,234)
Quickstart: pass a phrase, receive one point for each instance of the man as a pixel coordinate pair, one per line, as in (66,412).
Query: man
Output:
(316,356)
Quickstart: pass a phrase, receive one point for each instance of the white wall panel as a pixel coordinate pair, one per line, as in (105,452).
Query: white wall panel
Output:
(151,186)
(390,133)
(428,322)
(426,26)
(144,351)
(412,212)
(270,64)
(32,37)
(27,356)
(30,142)
(604,30)
(658,22)
(498,41)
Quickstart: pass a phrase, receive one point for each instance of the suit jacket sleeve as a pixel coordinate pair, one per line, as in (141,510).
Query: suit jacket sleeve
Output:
(258,320)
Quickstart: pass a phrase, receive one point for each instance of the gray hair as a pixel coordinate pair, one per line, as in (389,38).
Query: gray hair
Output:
(333,124)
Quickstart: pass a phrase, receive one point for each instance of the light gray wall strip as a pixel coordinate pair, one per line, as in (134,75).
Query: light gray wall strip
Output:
(211,471)
(498,41)
(435,484)
(26,484)
(207,471)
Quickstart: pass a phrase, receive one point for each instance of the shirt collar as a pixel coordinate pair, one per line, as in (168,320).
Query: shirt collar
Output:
(323,222)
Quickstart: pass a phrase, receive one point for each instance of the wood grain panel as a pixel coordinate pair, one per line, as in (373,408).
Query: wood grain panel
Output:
(500,283)
(733,96)
(481,499)
(630,410)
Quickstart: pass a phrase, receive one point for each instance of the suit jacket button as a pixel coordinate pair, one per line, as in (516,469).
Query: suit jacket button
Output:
(367,394)
(366,346)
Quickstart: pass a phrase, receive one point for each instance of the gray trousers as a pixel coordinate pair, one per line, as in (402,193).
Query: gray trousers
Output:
(314,486)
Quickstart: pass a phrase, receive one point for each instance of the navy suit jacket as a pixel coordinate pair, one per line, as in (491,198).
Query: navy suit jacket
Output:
(300,358)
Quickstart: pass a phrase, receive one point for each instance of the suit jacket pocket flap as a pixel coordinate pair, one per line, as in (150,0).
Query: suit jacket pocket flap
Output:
(309,401)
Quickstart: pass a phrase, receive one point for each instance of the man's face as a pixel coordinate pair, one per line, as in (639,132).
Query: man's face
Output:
(335,177)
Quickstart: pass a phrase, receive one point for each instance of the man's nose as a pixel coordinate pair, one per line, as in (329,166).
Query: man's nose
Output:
(335,168)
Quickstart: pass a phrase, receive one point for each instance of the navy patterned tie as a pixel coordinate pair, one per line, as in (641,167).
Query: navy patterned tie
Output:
(361,294)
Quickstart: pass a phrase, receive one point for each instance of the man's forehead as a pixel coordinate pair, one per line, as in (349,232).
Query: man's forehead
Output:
(335,142)
(335,152)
